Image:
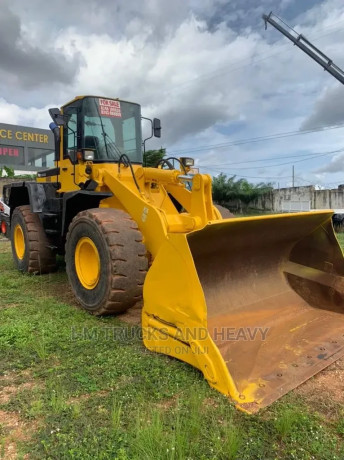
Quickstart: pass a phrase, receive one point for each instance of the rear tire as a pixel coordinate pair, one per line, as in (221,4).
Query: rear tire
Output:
(105,260)
(30,245)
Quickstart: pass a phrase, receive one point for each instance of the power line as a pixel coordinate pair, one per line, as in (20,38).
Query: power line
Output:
(304,180)
(315,156)
(269,159)
(331,183)
(262,138)
(253,177)
(255,139)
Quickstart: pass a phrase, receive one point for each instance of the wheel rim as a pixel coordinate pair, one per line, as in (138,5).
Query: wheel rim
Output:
(19,242)
(87,263)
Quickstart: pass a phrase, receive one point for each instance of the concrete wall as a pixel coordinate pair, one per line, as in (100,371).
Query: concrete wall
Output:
(300,196)
(333,199)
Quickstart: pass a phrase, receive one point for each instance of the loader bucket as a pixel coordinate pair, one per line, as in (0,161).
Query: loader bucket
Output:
(270,293)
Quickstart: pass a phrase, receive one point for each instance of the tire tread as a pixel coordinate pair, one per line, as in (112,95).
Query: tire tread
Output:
(128,258)
(42,259)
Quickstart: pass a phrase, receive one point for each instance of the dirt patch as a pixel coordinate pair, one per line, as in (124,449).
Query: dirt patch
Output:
(86,396)
(8,377)
(133,315)
(325,389)
(65,293)
(210,402)
(7,392)
(59,290)
(12,376)
(5,246)
(9,305)
(167,404)
(14,430)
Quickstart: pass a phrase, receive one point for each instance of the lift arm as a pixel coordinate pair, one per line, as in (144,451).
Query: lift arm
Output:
(306,46)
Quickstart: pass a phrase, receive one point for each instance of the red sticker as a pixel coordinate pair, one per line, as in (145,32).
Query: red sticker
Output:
(109,108)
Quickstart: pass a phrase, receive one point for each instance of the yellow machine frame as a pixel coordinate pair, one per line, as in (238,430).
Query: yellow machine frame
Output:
(175,313)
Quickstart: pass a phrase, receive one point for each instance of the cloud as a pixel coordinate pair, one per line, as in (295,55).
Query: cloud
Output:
(334,166)
(207,69)
(328,110)
(232,13)
(32,116)
(165,76)
(116,19)
(26,65)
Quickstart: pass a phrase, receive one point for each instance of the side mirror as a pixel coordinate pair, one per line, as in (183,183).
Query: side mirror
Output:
(156,127)
(56,131)
(58,118)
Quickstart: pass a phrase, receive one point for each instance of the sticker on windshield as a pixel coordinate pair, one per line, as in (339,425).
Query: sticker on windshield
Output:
(109,108)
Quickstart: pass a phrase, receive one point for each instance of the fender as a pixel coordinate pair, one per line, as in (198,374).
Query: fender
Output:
(32,193)
(75,202)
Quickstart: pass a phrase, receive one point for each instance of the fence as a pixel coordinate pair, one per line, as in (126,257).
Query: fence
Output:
(294,199)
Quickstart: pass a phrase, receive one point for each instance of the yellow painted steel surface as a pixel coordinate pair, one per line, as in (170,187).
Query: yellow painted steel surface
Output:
(255,303)
(87,263)
(19,242)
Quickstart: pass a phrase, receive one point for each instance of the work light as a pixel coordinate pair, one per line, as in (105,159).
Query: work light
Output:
(189,162)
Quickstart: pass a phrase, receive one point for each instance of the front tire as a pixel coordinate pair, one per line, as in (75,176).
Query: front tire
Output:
(30,245)
(106,260)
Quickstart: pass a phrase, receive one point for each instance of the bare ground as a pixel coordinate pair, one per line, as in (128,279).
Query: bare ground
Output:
(325,391)
(133,315)
(9,391)
(12,427)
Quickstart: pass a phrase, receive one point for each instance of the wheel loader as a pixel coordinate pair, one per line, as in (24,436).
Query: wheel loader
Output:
(255,303)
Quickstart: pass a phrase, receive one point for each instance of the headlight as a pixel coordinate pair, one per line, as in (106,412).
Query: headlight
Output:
(88,155)
(187,161)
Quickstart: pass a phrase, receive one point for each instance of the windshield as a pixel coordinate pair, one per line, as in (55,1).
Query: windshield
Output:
(111,128)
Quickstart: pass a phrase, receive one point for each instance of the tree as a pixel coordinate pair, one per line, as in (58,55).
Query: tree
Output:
(226,190)
(9,171)
(152,157)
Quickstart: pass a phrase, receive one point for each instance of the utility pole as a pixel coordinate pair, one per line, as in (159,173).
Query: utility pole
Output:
(293,176)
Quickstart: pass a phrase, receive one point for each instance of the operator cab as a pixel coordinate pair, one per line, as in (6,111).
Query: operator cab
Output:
(102,128)
(98,129)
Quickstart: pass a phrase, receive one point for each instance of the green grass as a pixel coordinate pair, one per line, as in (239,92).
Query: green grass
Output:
(94,397)
(340,237)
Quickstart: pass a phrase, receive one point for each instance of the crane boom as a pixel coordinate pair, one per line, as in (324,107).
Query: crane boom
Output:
(306,46)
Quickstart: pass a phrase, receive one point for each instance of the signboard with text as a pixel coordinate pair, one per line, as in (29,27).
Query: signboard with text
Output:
(10,155)
(25,148)
(25,136)
(110,108)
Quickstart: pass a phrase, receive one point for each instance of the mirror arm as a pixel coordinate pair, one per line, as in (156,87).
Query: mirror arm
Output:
(147,138)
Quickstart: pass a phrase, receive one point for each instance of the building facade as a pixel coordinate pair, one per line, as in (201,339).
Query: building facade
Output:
(26,149)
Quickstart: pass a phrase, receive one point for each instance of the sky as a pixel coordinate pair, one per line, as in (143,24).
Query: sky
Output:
(220,83)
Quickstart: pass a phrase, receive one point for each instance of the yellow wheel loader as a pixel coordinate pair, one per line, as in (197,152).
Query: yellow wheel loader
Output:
(256,304)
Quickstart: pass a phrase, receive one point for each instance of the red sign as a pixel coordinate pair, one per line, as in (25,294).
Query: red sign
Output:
(109,108)
(9,152)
